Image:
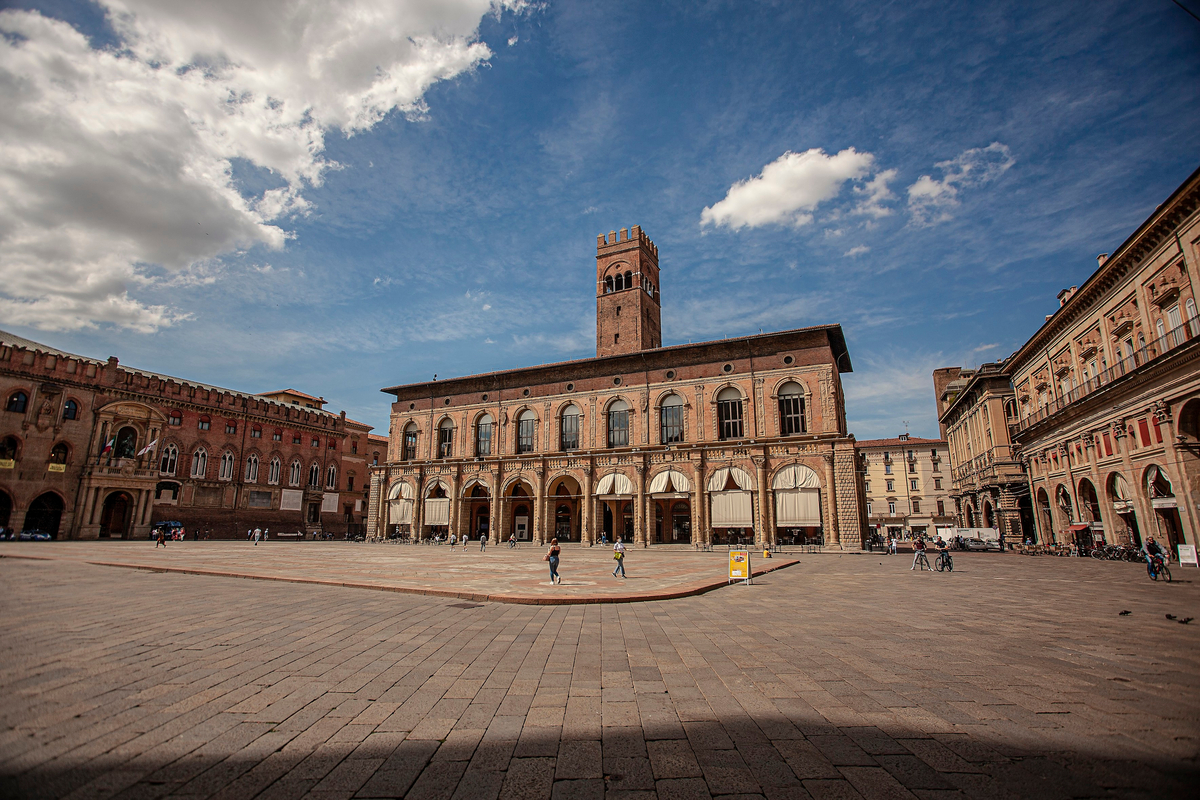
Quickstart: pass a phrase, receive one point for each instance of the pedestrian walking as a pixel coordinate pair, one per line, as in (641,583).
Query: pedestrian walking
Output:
(249,534)
(161,539)
(552,556)
(619,556)
(512,541)
(257,535)
(895,544)
(453,539)
(482,542)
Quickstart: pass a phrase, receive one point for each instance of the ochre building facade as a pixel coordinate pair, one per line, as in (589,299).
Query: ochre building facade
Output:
(96,449)
(734,441)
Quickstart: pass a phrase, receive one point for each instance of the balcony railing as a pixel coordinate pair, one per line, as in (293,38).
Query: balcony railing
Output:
(986,465)
(1159,346)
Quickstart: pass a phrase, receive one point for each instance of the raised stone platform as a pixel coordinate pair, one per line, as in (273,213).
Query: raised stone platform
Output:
(499,574)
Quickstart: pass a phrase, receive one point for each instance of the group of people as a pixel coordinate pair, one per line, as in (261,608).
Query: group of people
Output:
(920,559)
(554,555)
(256,535)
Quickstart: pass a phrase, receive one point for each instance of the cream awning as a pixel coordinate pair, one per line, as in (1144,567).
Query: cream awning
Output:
(678,480)
(400,490)
(732,510)
(437,511)
(400,512)
(436,482)
(797,507)
(796,476)
(615,483)
(742,478)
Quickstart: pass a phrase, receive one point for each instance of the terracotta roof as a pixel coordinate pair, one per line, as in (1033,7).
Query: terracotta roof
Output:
(375,437)
(360,424)
(295,392)
(897,442)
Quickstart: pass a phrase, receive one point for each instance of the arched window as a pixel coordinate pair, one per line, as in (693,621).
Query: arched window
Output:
(314,476)
(628,280)
(569,435)
(483,436)
(526,431)
(71,410)
(619,282)
(8,448)
(252,469)
(729,413)
(225,473)
(17,402)
(446,439)
(59,453)
(170,459)
(294,476)
(791,409)
(618,424)
(205,422)
(608,284)
(126,443)
(410,442)
(331,477)
(671,419)
(273,472)
(200,463)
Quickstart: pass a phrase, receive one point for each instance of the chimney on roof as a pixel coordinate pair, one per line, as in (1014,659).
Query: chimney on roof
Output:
(1100,259)
(1066,295)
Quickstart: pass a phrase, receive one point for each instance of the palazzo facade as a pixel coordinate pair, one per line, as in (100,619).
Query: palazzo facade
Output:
(733,441)
(1108,391)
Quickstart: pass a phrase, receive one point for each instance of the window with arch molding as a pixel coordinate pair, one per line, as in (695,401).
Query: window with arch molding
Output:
(252,469)
(314,476)
(410,442)
(225,472)
(483,436)
(618,424)
(169,460)
(294,475)
(17,401)
(791,409)
(670,418)
(200,463)
(70,410)
(446,439)
(273,472)
(59,453)
(569,433)
(526,431)
(331,477)
(729,413)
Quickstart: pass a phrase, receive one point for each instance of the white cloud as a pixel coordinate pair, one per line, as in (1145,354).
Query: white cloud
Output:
(788,189)
(857,250)
(118,160)
(930,201)
(875,193)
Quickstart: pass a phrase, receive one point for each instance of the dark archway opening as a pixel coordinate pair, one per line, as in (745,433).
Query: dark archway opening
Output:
(45,514)
(114,519)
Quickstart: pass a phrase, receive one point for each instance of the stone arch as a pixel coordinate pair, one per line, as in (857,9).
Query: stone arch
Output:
(45,513)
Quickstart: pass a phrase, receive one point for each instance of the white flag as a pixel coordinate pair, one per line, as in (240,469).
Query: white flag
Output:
(147,448)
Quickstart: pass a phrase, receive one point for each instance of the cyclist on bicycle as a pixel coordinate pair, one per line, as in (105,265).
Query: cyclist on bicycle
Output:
(1152,550)
(944,554)
(919,554)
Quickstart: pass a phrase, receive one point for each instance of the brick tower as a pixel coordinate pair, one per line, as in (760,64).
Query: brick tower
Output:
(628,314)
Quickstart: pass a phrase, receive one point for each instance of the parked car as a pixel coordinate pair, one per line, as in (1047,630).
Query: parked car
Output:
(983,545)
(34,535)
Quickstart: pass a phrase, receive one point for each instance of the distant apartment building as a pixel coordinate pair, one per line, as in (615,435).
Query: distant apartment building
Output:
(906,484)
(978,415)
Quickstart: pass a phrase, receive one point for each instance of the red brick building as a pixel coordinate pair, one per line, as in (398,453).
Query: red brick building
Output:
(94,449)
(739,440)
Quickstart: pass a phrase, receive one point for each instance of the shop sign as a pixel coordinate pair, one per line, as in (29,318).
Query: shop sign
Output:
(739,566)
(1163,502)
(1187,555)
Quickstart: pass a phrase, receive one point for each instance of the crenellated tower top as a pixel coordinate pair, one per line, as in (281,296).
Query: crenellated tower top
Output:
(628,310)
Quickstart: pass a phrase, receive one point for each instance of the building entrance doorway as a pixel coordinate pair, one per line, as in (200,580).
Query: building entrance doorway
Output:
(114,519)
(45,514)
(5,509)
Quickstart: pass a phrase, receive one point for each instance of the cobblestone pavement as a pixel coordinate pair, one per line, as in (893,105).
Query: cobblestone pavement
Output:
(835,678)
(500,573)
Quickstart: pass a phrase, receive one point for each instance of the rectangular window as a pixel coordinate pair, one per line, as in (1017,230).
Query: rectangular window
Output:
(791,414)
(866,486)
(887,469)
(295,438)
(350,484)
(916,506)
(570,432)
(277,436)
(1108,450)
(256,433)
(1144,430)
(937,468)
(483,440)
(891,486)
(941,508)
(892,509)
(445,442)
(729,419)
(912,466)
(937,483)
(231,427)
(933,453)
(912,485)
(204,425)
(868,509)
(316,442)
(618,428)
(526,435)
(1157,429)
(410,445)
(354,447)
(175,419)
(672,424)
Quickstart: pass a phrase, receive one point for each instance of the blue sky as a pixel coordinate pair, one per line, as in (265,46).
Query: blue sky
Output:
(928,175)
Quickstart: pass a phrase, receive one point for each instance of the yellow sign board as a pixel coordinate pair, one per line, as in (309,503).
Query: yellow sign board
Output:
(56,467)
(739,565)
(7,463)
